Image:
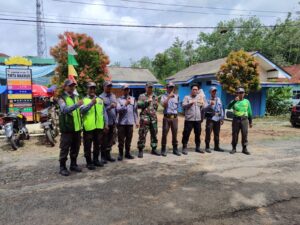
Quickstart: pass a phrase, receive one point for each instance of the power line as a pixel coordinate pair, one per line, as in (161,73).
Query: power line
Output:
(155,9)
(132,25)
(203,7)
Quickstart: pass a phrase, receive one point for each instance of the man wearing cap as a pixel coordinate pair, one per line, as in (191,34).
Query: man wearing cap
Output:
(94,120)
(148,103)
(170,102)
(127,117)
(109,136)
(70,128)
(192,105)
(214,115)
(241,120)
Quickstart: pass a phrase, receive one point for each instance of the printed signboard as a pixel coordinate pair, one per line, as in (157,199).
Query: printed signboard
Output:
(19,91)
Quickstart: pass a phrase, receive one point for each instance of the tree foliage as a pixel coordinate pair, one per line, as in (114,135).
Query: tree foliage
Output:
(278,101)
(281,44)
(92,61)
(239,70)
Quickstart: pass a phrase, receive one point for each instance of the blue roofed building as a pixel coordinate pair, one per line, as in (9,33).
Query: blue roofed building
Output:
(271,75)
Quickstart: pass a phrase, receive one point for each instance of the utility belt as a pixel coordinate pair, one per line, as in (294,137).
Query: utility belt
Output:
(240,117)
(170,116)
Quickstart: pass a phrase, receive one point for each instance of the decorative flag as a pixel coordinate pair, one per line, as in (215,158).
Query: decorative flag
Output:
(72,78)
(71,59)
(72,71)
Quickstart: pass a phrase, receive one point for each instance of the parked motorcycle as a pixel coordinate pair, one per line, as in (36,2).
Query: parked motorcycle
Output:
(14,124)
(49,122)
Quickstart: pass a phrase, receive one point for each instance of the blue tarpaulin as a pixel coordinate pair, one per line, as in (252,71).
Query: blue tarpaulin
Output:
(2,89)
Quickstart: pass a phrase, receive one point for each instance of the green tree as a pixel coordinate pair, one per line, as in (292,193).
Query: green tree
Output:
(278,101)
(92,61)
(240,70)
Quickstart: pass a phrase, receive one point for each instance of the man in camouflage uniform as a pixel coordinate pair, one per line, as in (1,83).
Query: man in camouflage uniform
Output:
(148,103)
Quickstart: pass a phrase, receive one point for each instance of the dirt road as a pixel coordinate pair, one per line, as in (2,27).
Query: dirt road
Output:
(216,188)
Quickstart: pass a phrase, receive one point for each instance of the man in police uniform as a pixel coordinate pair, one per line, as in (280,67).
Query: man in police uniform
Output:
(214,120)
(170,102)
(94,120)
(127,117)
(148,103)
(241,120)
(109,137)
(70,128)
(192,105)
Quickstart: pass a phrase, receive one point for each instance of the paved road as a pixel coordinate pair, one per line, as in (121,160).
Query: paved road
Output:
(215,188)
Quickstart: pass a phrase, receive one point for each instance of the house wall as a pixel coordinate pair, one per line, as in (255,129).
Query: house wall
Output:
(257,99)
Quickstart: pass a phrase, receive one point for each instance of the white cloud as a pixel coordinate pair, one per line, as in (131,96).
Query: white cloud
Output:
(122,44)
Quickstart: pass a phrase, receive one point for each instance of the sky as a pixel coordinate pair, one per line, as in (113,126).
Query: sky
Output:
(124,45)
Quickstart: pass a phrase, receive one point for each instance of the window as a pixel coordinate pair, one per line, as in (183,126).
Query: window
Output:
(296,94)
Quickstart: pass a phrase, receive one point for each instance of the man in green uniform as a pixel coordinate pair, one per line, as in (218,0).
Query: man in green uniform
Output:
(94,120)
(148,103)
(70,128)
(241,120)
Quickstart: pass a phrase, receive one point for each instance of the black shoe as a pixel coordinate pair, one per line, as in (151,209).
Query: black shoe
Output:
(245,151)
(207,150)
(64,171)
(75,168)
(176,152)
(91,166)
(109,158)
(233,151)
(198,149)
(154,152)
(120,157)
(98,163)
(103,160)
(184,150)
(140,155)
(218,149)
(129,156)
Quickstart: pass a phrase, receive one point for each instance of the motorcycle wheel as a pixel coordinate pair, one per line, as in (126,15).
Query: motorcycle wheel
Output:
(50,137)
(13,143)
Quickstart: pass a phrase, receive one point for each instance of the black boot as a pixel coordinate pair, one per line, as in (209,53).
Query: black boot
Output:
(245,150)
(96,161)
(103,157)
(163,151)
(74,167)
(217,148)
(207,149)
(233,151)
(63,169)
(198,149)
(154,152)
(175,151)
(140,155)
(120,156)
(128,155)
(184,150)
(109,157)
(89,163)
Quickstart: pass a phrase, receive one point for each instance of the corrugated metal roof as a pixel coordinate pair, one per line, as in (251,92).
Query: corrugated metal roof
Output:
(200,69)
(128,75)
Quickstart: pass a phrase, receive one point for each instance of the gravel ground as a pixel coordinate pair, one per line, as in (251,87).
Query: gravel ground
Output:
(216,188)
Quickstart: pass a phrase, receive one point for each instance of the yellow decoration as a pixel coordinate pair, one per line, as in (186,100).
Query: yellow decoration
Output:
(19,96)
(72,71)
(18,60)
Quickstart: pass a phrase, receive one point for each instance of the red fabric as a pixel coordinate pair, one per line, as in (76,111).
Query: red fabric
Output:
(70,41)
(39,91)
(72,78)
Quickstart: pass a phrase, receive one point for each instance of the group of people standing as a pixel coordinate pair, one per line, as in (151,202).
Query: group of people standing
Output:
(104,118)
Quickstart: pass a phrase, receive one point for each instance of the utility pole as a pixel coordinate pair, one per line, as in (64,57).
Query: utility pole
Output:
(40,30)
